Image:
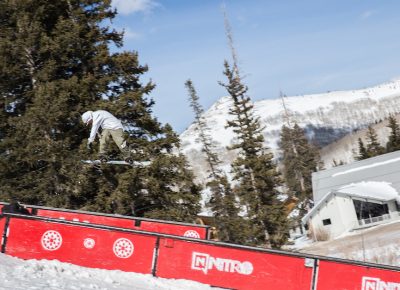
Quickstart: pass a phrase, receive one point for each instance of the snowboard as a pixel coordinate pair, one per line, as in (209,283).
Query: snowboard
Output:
(117,162)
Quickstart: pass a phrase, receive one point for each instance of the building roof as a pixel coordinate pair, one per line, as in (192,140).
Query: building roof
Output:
(370,190)
(384,167)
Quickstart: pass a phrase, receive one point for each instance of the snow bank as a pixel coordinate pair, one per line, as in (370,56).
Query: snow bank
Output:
(17,274)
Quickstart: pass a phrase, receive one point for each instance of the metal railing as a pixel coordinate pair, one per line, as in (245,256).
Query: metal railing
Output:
(379,219)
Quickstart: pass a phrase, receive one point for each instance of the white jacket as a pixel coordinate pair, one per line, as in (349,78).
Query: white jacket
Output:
(105,120)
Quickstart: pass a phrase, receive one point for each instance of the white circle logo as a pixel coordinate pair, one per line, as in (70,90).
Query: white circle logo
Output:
(246,268)
(191,234)
(123,248)
(51,240)
(89,243)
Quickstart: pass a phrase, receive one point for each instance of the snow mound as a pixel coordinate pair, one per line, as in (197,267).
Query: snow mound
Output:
(371,189)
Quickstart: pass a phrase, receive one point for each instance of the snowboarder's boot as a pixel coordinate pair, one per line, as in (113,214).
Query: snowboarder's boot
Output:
(129,160)
(128,155)
(103,158)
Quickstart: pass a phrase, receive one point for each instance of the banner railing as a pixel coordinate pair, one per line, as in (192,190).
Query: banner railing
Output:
(168,256)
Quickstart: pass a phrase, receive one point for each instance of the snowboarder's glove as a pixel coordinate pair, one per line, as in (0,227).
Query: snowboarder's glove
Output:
(89,146)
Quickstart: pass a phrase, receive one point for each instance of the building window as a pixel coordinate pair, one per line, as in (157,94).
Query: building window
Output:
(367,210)
(326,222)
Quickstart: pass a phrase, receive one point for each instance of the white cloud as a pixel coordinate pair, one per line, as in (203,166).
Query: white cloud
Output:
(130,34)
(126,7)
(367,14)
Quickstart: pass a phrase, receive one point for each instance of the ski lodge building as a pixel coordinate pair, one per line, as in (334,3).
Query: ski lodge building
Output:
(354,196)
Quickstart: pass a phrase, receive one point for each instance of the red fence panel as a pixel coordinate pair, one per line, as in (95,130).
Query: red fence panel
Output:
(31,238)
(2,225)
(217,264)
(336,275)
(163,227)
(231,267)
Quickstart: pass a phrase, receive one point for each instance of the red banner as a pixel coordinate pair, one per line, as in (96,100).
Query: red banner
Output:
(84,246)
(170,228)
(231,267)
(335,275)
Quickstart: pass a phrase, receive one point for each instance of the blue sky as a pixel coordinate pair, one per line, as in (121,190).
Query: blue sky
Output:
(297,47)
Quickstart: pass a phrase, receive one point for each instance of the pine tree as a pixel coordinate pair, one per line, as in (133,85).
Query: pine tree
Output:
(255,174)
(394,138)
(230,225)
(254,171)
(205,139)
(362,151)
(336,163)
(55,63)
(42,62)
(300,160)
(374,148)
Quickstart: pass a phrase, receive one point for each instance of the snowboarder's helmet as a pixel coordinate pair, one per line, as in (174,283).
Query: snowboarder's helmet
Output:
(87,116)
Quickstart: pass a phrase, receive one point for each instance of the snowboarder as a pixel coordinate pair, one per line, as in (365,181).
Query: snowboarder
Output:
(111,126)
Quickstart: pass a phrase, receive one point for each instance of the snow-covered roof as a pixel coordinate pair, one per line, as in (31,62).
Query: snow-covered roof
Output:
(373,190)
(380,190)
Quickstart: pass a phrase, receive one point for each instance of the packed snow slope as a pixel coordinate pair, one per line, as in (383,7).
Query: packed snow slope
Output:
(378,244)
(17,274)
(326,118)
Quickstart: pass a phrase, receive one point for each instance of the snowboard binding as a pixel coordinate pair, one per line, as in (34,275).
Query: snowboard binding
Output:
(104,158)
(129,160)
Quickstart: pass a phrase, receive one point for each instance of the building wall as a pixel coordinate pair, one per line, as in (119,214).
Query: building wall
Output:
(392,207)
(381,168)
(347,212)
(340,210)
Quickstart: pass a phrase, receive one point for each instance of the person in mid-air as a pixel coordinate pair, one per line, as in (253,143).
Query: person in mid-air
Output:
(111,126)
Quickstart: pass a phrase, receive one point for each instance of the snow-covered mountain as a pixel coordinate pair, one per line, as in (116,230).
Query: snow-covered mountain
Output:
(326,117)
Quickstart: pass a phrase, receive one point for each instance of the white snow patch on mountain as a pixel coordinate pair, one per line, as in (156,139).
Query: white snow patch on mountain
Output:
(326,117)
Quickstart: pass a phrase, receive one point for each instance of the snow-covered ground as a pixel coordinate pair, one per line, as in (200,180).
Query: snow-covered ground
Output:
(16,274)
(379,244)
